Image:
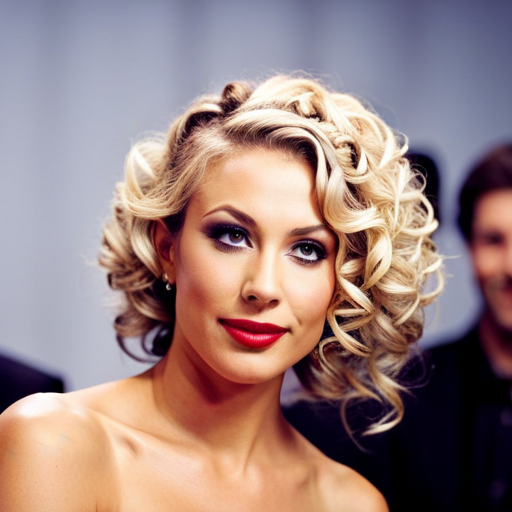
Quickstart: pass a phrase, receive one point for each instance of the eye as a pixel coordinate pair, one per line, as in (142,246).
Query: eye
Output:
(493,239)
(229,237)
(308,252)
(489,238)
(234,237)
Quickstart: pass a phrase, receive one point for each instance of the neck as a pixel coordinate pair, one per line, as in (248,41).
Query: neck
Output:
(497,345)
(229,418)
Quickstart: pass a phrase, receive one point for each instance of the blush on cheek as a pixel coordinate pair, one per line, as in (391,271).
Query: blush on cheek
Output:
(318,295)
(312,310)
(201,279)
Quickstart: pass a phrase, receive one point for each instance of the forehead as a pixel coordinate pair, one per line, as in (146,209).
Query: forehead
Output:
(252,158)
(261,180)
(494,211)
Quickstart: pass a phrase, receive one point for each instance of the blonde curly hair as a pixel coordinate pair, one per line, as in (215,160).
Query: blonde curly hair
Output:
(367,193)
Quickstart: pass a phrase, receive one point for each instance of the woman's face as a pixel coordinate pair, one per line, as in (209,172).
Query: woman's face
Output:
(253,267)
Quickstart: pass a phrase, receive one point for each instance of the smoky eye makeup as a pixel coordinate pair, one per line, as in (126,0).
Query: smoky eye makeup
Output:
(228,236)
(232,237)
(308,252)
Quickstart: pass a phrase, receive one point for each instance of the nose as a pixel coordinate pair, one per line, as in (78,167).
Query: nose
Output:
(262,284)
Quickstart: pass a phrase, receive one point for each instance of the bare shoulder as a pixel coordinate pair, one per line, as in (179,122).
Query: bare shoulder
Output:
(343,485)
(342,488)
(53,455)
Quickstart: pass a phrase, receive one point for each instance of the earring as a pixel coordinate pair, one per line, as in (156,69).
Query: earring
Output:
(165,279)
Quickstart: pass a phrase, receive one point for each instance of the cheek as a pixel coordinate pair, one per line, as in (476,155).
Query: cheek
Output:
(485,263)
(312,298)
(203,278)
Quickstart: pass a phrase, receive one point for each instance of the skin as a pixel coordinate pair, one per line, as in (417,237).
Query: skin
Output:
(491,254)
(203,429)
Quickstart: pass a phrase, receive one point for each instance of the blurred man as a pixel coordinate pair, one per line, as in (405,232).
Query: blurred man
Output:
(453,449)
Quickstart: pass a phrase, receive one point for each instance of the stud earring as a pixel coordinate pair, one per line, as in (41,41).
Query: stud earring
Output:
(165,279)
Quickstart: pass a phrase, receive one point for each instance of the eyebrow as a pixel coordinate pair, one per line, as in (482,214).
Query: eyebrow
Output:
(249,221)
(241,216)
(308,230)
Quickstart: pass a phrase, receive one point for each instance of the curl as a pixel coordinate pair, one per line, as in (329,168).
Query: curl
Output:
(367,193)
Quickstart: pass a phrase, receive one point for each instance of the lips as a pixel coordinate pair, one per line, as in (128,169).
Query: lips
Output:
(252,334)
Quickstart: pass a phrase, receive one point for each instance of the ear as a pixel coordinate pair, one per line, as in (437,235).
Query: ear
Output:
(163,243)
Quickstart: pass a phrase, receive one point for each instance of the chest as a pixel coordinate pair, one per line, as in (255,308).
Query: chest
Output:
(178,480)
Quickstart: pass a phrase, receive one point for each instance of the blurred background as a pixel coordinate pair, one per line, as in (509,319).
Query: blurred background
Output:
(81,80)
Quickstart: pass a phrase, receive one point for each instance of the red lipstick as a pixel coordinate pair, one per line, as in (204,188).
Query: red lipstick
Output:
(252,334)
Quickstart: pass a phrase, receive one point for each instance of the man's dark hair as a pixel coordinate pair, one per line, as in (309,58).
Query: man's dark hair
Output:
(493,172)
(427,166)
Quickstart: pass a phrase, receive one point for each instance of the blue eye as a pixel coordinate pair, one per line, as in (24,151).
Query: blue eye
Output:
(308,252)
(229,237)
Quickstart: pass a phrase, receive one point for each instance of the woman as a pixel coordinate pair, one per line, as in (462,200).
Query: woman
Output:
(261,215)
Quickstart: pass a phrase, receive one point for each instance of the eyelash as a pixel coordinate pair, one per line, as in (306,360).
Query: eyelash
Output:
(319,250)
(216,232)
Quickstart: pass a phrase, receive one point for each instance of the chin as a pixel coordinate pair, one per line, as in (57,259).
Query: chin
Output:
(251,373)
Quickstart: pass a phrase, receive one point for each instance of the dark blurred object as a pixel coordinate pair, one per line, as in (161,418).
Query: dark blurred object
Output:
(18,380)
(426,165)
